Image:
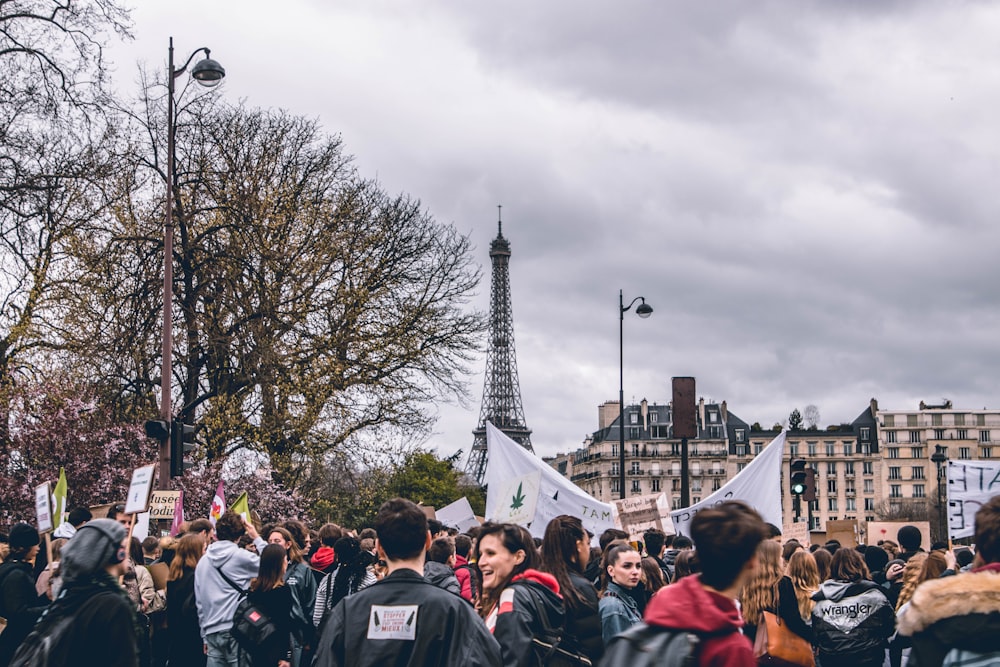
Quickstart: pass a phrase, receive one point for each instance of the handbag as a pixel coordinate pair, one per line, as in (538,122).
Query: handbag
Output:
(778,646)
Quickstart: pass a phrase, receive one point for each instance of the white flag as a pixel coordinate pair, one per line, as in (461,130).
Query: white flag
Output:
(507,461)
(758,485)
(458,515)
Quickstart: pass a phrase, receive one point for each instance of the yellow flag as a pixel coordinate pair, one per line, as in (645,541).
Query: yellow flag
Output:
(241,507)
(59,497)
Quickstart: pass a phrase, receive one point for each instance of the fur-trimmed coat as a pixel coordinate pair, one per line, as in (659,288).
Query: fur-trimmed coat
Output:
(961,612)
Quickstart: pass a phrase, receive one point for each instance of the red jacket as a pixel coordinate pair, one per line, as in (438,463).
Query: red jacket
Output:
(687,605)
(464,577)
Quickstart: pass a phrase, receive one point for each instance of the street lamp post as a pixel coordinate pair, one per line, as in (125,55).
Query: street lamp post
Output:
(940,457)
(643,310)
(208,73)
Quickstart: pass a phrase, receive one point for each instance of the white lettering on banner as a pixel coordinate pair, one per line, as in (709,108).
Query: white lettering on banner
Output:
(397,622)
(970,484)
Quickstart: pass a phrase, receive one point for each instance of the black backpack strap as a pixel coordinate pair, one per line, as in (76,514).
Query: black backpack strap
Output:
(230,581)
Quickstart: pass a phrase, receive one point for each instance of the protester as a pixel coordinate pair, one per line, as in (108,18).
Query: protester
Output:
(680,544)
(823,561)
(298,575)
(685,565)
(652,575)
(909,541)
(622,569)
(876,560)
(48,581)
(185,646)
(20,603)
(465,572)
(790,547)
(138,582)
(726,538)
(272,598)
(349,575)
(565,555)
(438,566)
(117,513)
(956,617)
(403,620)
(324,560)
(150,550)
(593,571)
(656,546)
(852,619)
(760,593)
(934,566)
(910,579)
(77,517)
(95,616)
(795,591)
(219,581)
(519,602)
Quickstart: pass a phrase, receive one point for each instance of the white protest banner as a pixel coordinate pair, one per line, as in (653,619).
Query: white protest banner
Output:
(637,514)
(507,460)
(970,484)
(43,507)
(140,489)
(458,515)
(758,485)
(141,529)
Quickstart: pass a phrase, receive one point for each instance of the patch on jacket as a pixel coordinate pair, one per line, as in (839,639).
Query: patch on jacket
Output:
(847,614)
(396,622)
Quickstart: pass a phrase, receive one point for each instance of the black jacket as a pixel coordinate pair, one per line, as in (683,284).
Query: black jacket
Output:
(185,644)
(411,623)
(583,622)
(280,606)
(530,607)
(852,622)
(20,604)
(788,610)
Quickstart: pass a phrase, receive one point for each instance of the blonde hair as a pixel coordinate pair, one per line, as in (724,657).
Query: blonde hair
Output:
(761,592)
(911,577)
(804,574)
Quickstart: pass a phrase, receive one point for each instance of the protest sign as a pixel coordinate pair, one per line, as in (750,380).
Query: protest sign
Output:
(162,503)
(458,515)
(43,507)
(638,514)
(140,489)
(970,484)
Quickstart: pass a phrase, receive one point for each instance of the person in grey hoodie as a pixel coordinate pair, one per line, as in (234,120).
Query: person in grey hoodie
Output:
(215,597)
(438,567)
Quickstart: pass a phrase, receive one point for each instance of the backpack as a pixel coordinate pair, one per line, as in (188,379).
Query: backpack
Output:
(546,646)
(473,580)
(252,629)
(46,644)
(646,645)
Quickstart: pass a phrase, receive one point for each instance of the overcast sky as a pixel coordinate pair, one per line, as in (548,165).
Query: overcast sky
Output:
(805,192)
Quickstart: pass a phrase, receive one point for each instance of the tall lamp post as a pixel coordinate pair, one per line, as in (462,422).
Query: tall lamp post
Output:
(643,310)
(940,457)
(208,73)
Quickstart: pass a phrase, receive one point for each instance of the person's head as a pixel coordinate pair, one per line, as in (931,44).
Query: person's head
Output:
(402,530)
(622,565)
(791,546)
(368,544)
(246,542)
(909,538)
(437,529)
(963,557)
(299,533)
(609,536)
(57,545)
(329,533)
(228,528)
(565,549)
(833,546)
(652,575)
(370,533)
(726,537)
(685,565)
(187,552)
(151,547)
(79,516)
(284,539)
(848,566)
(117,513)
(135,551)
(99,547)
(823,561)
(876,558)
(441,551)
(939,546)
(682,542)
(804,575)
(272,568)
(656,542)
(504,551)
(890,547)
(23,541)
(773,532)
(760,592)
(934,565)
(987,531)
(463,545)
(203,528)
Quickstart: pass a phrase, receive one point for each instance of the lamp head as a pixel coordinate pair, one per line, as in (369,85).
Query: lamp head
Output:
(208,72)
(644,310)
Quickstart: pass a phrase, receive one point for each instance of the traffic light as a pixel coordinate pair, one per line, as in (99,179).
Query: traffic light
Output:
(182,441)
(158,430)
(798,480)
(809,494)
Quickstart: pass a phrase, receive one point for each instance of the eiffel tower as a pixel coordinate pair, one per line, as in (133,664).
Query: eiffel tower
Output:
(501,390)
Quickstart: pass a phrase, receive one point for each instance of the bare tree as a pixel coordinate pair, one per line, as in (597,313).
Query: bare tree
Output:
(810,417)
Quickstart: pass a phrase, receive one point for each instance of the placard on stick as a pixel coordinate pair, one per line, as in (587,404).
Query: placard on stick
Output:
(43,507)
(140,489)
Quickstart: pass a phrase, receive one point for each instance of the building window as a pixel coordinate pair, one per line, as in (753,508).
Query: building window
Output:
(866,449)
(892,452)
(980,420)
(939,434)
(959,420)
(793,450)
(895,491)
(675,449)
(635,486)
(695,500)
(614,468)
(963,434)
(614,449)
(614,486)
(918,472)
(916,452)
(740,466)
(831,486)
(740,435)
(869,486)
(653,417)
(635,467)
(675,485)
(741,450)
(654,450)
(758,448)
(852,505)
(987,452)
(866,433)
(914,436)
(965,453)
(655,486)
(849,468)
(890,437)
(911,420)
(869,504)
(831,504)
(675,503)
(831,468)
(935,420)
(716,484)
(890,421)
(812,448)
(633,418)
(633,433)
(894,472)
(713,417)
(918,491)
(984,436)
(867,467)
(848,451)
(830,451)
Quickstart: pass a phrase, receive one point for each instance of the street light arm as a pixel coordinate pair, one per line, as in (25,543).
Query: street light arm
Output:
(624,308)
(183,68)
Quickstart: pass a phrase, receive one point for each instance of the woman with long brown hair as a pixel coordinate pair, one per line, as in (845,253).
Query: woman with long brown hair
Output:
(760,593)
(185,645)
(276,601)
(565,554)
(515,593)
(621,570)
(795,591)
(299,576)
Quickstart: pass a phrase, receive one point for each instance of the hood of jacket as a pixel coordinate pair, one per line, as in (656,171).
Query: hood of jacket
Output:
(545,589)
(832,590)
(436,573)
(219,553)
(542,579)
(951,598)
(460,561)
(671,608)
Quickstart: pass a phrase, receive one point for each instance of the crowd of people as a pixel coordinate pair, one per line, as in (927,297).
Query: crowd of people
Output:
(409,591)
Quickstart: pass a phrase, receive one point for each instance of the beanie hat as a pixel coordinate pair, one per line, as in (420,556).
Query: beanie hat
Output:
(93,547)
(876,558)
(909,538)
(23,536)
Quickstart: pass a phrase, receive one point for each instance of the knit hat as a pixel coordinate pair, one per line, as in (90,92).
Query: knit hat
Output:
(94,546)
(323,558)
(23,536)
(876,559)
